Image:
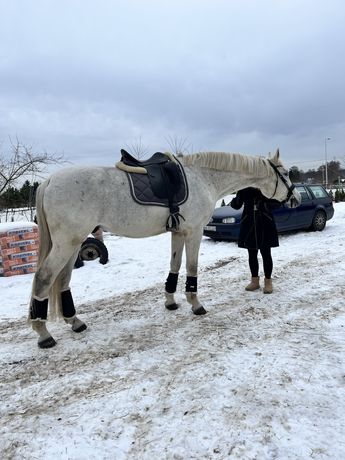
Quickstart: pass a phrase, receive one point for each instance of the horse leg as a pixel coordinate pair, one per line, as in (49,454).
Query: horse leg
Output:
(45,277)
(192,255)
(39,325)
(177,244)
(67,303)
(38,317)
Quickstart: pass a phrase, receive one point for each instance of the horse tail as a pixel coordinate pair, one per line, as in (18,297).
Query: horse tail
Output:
(43,229)
(45,246)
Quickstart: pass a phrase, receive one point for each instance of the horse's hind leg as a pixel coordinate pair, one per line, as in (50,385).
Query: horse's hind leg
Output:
(38,311)
(46,277)
(67,303)
(192,255)
(45,338)
(177,244)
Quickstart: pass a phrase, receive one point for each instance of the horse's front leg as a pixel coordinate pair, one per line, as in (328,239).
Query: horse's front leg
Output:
(177,244)
(192,255)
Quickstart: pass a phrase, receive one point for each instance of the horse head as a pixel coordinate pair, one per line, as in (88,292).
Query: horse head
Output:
(284,190)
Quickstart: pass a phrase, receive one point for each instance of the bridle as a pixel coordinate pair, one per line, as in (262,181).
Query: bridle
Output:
(290,188)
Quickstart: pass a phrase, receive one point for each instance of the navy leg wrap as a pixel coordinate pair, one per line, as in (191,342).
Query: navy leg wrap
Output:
(39,309)
(192,284)
(68,309)
(171,283)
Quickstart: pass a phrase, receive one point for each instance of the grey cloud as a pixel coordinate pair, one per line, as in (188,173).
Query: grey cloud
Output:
(221,74)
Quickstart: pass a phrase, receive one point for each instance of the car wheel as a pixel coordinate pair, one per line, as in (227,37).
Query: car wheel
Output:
(91,249)
(319,221)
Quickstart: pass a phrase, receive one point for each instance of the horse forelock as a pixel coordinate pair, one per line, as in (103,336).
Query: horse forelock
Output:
(222,161)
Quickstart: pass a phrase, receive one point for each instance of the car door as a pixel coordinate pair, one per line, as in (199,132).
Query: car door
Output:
(305,211)
(295,218)
(284,218)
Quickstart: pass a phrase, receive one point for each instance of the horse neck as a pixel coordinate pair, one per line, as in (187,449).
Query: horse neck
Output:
(240,172)
(227,182)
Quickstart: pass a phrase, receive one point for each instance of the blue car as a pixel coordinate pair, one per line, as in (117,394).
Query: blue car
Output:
(314,211)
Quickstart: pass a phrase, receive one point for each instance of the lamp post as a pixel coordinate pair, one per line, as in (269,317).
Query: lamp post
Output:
(326,170)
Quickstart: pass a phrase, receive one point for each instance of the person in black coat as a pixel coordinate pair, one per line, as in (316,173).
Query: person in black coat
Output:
(258,231)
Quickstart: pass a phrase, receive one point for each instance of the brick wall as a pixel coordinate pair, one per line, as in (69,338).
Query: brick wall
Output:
(18,248)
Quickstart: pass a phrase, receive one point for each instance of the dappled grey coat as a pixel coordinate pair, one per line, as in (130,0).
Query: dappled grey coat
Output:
(258,229)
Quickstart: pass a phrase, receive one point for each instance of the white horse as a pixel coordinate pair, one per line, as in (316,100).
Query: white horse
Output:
(73,201)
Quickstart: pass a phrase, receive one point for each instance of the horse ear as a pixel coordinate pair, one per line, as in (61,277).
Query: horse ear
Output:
(276,155)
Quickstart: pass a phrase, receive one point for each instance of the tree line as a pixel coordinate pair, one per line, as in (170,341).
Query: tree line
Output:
(16,165)
(334,173)
(23,197)
(21,162)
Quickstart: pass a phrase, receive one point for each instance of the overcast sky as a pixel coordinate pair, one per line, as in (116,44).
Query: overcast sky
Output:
(87,78)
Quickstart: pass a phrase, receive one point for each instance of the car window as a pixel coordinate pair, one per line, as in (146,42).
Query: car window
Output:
(318,191)
(304,193)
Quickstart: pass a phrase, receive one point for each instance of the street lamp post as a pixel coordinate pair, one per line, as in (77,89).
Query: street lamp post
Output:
(326,170)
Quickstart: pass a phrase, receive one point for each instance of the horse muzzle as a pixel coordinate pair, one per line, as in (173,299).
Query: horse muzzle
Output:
(293,201)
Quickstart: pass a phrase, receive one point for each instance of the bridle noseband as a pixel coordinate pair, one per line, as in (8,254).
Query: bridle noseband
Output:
(290,188)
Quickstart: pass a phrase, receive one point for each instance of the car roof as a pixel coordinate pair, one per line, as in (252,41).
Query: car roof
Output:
(302,184)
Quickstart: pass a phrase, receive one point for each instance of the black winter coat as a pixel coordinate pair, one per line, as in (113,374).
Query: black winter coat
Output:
(258,229)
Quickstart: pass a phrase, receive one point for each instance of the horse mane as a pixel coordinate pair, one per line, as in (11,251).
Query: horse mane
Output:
(222,161)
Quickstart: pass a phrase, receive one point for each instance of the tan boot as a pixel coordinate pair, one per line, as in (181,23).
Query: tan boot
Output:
(254,284)
(268,288)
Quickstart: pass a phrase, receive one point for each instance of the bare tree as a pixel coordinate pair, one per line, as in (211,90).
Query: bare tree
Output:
(22,163)
(137,149)
(178,145)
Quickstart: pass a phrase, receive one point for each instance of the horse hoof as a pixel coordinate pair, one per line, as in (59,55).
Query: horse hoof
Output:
(172,306)
(47,343)
(199,311)
(81,328)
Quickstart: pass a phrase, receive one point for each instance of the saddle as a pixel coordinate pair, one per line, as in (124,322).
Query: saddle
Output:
(158,181)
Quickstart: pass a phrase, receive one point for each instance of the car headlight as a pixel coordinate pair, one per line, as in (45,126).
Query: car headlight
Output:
(229,220)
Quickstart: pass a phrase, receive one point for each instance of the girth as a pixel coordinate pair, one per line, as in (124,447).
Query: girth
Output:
(158,181)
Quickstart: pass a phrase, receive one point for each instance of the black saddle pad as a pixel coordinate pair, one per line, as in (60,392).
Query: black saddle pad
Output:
(142,192)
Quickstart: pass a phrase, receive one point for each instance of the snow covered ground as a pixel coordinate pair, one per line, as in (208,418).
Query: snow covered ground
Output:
(258,377)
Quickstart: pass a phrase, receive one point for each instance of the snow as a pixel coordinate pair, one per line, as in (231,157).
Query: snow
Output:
(8,226)
(258,377)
